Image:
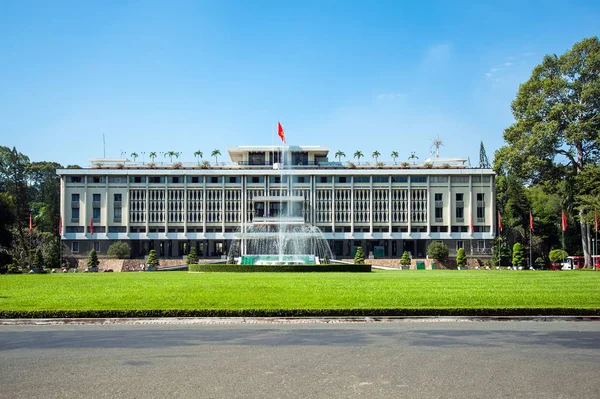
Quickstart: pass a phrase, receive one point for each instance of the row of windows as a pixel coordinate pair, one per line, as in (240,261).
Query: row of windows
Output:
(273,179)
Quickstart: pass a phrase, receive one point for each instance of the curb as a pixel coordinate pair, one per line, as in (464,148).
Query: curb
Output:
(290,320)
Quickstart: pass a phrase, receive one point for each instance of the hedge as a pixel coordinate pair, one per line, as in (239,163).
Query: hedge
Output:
(279,268)
(421,312)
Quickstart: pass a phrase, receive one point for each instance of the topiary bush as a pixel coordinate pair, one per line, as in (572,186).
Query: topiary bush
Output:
(437,250)
(518,258)
(192,257)
(405,259)
(359,257)
(557,255)
(153,261)
(461,257)
(92,262)
(119,249)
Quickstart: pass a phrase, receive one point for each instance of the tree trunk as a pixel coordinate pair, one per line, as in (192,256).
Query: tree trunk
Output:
(585,241)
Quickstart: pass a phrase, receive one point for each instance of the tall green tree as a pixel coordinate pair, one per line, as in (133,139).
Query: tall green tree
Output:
(557,120)
(394,155)
(375,155)
(518,258)
(358,155)
(13,180)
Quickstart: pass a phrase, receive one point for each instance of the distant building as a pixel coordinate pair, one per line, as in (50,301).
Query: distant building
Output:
(170,207)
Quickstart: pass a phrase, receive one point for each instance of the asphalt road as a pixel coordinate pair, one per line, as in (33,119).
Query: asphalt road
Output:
(392,360)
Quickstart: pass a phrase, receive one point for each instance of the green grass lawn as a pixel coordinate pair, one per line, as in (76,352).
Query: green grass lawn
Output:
(437,289)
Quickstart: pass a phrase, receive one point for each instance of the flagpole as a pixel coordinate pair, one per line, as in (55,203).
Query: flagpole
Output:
(530,256)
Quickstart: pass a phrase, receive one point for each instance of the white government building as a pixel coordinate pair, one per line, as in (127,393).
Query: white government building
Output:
(385,208)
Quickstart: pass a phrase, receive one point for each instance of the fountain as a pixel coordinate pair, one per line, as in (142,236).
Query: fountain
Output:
(278,233)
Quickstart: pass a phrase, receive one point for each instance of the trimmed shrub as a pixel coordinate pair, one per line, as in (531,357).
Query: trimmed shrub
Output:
(540,263)
(119,249)
(405,259)
(461,258)
(92,259)
(437,250)
(359,257)
(192,257)
(557,255)
(518,259)
(153,261)
(227,268)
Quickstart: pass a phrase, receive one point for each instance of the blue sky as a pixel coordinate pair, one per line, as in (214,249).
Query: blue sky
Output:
(193,75)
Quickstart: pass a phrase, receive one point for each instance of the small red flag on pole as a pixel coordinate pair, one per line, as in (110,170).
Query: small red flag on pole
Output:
(91,226)
(531,222)
(564,221)
(499,221)
(280,132)
(30,224)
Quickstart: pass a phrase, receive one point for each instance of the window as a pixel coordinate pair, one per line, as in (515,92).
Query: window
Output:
(324,179)
(361,179)
(75,246)
(278,179)
(380,179)
(156,179)
(439,207)
(459,197)
(215,179)
(96,213)
(256,158)
(460,244)
(96,197)
(175,179)
(480,245)
(459,179)
(118,213)
(341,179)
(74,229)
(137,179)
(96,246)
(438,179)
(418,179)
(460,207)
(480,207)
(75,179)
(399,179)
(233,179)
(75,214)
(118,197)
(300,158)
(75,197)
(96,179)
(301,179)
(255,179)
(117,179)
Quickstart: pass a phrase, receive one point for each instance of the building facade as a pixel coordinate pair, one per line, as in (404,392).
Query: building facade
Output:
(172,207)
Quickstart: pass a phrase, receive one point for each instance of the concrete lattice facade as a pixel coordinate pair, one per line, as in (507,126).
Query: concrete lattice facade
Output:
(385,208)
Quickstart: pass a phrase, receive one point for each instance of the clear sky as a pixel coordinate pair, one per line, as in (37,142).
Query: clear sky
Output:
(193,75)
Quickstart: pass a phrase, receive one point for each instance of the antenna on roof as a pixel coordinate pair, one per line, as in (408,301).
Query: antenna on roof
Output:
(437,143)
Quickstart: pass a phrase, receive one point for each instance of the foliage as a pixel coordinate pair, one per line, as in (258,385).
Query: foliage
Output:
(461,258)
(192,257)
(437,250)
(359,256)
(351,165)
(405,259)
(92,259)
(428,165)
(555,134)
(119,249)
(198,154)
(339,154)
(38,259)
(483,158)
(540,263)
(358,155)
(376,155)
(518,258)
(177,165)
(557,255)
(394,155)
(231,259)
(153,260)
(215,154)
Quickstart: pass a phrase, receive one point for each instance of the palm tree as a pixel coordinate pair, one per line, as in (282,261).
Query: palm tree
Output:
(134,155)
(413,156)
(358,155)
(215,153)
(339,155)
(375,155)
(152,155)
(394,156)
(171,154)
(198,154)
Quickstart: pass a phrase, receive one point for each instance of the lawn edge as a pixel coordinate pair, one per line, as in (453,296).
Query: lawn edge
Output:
(370,312)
